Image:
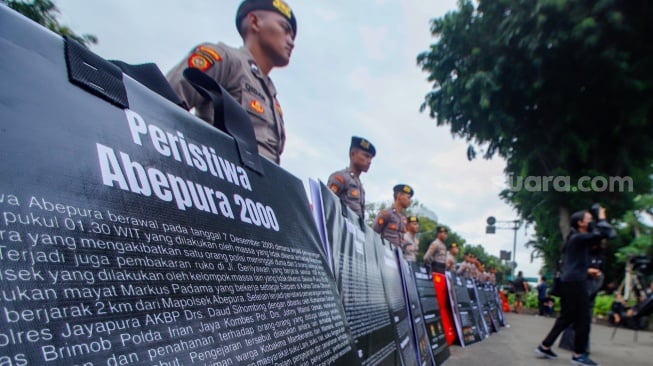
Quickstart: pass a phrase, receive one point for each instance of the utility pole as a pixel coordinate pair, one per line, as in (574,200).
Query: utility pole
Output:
(505,225)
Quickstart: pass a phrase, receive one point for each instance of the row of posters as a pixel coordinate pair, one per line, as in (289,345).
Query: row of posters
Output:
(390,303)
(133,233)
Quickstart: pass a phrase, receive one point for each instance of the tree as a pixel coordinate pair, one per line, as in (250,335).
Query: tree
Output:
(635,232)
(46,13)
(559,88)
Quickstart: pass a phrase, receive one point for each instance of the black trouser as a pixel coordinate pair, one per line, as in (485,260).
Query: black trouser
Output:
(542,306)
(438,267)
(574,303)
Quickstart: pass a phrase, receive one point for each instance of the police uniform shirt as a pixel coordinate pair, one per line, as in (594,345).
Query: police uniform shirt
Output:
(467,270)
(474,271)
(462,267)
(348,187)
(391,225)
(451,262)
(486,277)
(437,252)
(410,253)
(236,71)
(479,274)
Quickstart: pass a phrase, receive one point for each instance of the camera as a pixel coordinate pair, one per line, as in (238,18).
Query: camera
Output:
(600,225)
(642,264)
(594,211)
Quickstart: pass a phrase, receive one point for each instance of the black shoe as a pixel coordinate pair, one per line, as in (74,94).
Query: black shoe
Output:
(583,360)
(545,353)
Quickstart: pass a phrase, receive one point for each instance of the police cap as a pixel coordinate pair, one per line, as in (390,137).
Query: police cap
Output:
(277,6)
(363,144)
(441,229)
(413,219)
(405,188)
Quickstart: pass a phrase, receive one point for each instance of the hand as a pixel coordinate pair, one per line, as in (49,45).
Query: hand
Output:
(594,272)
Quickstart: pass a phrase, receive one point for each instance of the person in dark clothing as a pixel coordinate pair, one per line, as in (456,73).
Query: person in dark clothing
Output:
(594,282)
(624,315)
(574,297)
(542,295)
(549,305)
(521,290)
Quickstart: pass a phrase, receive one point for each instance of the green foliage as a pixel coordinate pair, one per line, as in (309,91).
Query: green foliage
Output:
(559,88)
(635,235)
(531,300)
(603,304)
(46,13)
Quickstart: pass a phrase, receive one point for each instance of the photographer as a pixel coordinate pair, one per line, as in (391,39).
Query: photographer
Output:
(593,283)
(574,297)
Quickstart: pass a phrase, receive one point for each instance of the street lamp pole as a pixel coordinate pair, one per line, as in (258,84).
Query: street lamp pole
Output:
(514,250)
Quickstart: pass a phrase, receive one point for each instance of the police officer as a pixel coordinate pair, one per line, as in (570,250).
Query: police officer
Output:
(346,183)
(452,256)
(468,268)
(436,255)
(268,29)
(410,239)
(391,223)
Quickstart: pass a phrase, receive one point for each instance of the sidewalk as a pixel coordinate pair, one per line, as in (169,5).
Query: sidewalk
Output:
(515,346)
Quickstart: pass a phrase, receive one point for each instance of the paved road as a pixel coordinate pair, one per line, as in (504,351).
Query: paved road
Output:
(515,346)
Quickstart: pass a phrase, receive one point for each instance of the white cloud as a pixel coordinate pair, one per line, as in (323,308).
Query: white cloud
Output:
(375,40)
(359,79)
(326,14)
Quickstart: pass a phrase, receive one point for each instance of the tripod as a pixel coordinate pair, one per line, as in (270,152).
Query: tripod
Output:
(630,286)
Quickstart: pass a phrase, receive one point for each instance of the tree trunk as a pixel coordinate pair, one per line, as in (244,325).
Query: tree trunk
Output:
(563,222)
(636,227)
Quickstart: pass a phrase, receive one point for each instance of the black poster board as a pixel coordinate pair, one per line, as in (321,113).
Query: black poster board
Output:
(466,315)
(411,297)
(477,308)
(134,236)
(431,313)
(498,306)
(358,276)
(390,273)
(489,306)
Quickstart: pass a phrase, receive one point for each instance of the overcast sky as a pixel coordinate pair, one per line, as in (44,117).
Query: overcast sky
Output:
(353,72)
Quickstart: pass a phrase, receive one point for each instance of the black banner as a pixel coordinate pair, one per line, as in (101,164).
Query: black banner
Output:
(411,296)
(497,310)
(390,272)
(135,236)
(430,308)
(466,313)
(477,308)
(488,304)
(358,276)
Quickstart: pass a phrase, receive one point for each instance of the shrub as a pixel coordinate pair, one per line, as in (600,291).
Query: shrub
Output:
(603,304)
(531,300)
